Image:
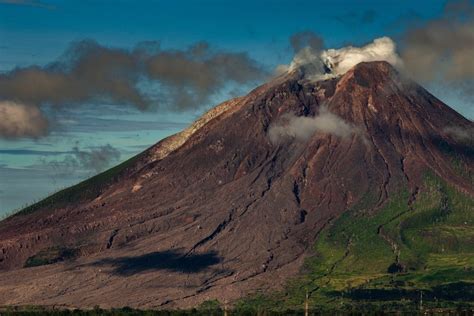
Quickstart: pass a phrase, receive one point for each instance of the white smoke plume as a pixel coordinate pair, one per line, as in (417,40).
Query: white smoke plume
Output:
(21,120)
(341,60)
(301,128)
(321,64)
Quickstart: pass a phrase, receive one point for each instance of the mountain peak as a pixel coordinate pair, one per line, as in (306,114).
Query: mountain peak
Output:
(371,74)
(220,209)
(381,65)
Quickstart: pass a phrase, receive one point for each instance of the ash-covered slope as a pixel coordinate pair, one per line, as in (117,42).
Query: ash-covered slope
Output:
(223,208)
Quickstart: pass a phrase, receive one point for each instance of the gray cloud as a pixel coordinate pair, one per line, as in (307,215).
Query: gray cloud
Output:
(301,128)
(97,159)
(304,39)
(88,72)
(94,160)
(307,47)
(192,76)
(442,49)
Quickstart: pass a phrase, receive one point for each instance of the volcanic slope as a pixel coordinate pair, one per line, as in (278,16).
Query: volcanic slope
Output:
(222,210)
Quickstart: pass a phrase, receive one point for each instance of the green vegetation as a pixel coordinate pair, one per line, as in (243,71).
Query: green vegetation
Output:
(457,155)
(367,309)
(211,308)
(50,256)
(87,189)
(407,255)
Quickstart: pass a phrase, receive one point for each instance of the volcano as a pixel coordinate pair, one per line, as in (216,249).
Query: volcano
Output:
(228,208)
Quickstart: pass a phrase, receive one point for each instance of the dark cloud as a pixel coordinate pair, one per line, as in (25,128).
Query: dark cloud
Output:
(192,76)
(442,50)
(304,39)
(88,72)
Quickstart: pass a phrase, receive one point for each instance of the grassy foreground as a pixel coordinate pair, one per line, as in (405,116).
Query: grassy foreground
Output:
(208,311)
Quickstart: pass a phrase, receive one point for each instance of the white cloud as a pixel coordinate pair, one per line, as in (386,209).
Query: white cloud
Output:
(301,128)
(343,59)
(20,120)
(334,62)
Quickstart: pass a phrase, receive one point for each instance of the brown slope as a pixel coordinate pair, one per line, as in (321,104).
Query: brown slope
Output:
(219,211)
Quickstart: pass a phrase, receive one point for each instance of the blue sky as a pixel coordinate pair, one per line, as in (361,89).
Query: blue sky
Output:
(37,33)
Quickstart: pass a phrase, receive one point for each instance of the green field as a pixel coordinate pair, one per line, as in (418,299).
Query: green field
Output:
(413,253)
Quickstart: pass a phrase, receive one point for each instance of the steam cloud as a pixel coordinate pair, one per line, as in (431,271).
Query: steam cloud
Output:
(89,72)
(18,120)
(440,50)
(301,128)
(341,60)
(319,64)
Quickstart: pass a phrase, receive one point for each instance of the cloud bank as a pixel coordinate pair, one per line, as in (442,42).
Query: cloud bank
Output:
(301,128)
(89,72)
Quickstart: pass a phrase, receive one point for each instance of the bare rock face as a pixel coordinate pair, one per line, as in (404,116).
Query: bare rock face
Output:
(220,210)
